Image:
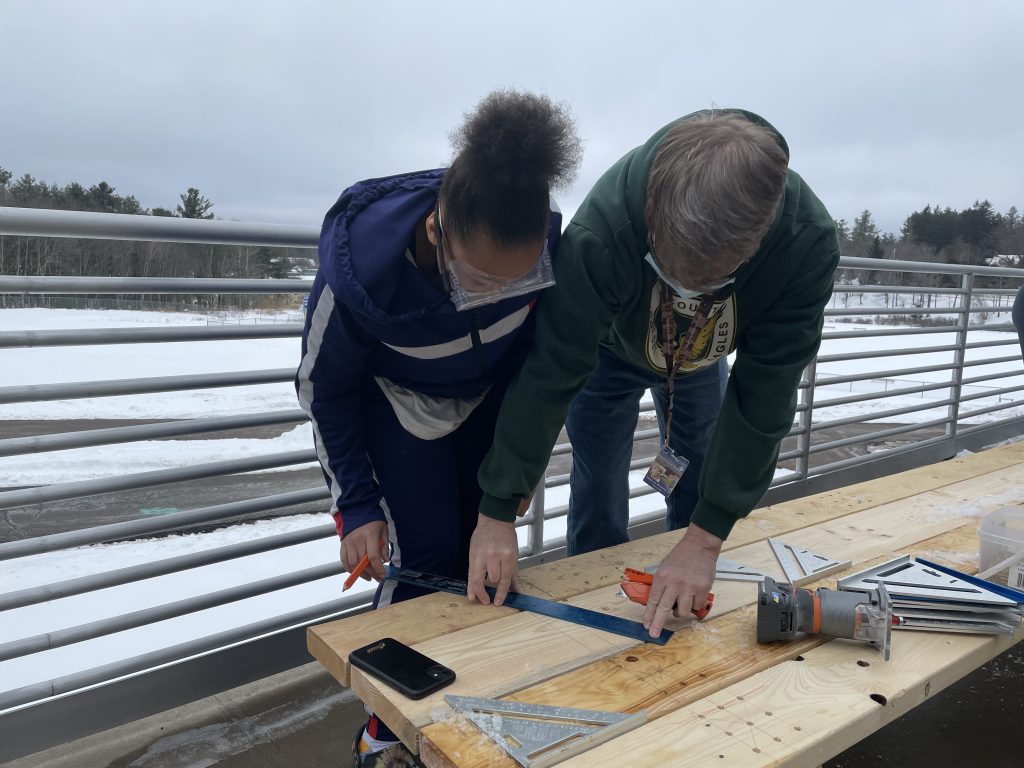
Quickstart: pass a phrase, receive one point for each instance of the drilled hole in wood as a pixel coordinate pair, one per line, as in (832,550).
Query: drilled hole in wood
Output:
(757,750)
(707,725)
(863,663)
(877,697)
(799,658)
(776,738)
(768,713)
(632,658)
(750,722)
(797,728)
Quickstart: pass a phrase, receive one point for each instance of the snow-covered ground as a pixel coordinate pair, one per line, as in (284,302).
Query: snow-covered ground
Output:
(69,364)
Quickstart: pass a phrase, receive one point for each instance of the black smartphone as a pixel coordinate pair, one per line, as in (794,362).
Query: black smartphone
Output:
(406,670)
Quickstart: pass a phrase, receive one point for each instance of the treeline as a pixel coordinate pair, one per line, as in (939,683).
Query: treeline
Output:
(40,256)
(975,236)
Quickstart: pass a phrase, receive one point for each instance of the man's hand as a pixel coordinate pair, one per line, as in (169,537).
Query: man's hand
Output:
(494,557)
(370,539)
(683,579)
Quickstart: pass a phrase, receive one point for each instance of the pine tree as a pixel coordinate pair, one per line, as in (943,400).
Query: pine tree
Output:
(194,206)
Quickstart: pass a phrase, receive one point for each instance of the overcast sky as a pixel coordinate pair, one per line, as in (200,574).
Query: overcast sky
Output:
(271,109)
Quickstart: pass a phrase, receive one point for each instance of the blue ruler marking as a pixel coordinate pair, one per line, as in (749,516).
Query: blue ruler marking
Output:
(556,610)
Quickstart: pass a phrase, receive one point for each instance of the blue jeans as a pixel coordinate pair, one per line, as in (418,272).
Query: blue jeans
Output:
(601,422)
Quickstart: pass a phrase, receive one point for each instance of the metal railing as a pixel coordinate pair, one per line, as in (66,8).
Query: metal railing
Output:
(825,450)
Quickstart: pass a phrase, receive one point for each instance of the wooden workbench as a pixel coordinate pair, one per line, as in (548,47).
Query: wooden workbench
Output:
(783,704)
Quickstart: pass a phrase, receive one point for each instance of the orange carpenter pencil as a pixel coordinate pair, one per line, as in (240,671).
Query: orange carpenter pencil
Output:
(362,566)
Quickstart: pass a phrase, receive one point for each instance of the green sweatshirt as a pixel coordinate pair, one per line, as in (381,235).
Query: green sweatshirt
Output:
(606,293)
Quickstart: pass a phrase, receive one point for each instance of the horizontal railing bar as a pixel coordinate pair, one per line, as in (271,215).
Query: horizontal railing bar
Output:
(883,311)
(149,286)
(994,361)
(135,619)
(36,222)
(825,359)
(854,289)
(963,429)
(17,339)
(832,402)
(39,692)
(894,265)
(877,333)
(80,488)
(26,393)
(87,438)
(149,570)
(890,374)
(998,343)
(837,465)
(842,443)
(994,392)
(149,526)
(882,415)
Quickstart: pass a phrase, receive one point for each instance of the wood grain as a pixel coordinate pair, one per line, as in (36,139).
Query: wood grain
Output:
(436,615)
(722,651)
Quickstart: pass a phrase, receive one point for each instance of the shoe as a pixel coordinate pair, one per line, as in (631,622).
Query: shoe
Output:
(391,757)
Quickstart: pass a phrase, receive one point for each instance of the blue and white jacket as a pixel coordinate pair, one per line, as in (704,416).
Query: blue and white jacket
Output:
(374,317)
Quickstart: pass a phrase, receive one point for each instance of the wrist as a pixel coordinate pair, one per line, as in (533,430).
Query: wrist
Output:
(696,536)
(490,522)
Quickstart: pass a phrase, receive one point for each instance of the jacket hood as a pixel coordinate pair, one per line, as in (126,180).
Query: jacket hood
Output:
(363,244)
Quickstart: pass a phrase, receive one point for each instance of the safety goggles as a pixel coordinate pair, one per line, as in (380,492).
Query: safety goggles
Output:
(678,288)
(470,287)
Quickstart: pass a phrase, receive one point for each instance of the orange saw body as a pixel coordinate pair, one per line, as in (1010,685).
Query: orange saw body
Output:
(637,587)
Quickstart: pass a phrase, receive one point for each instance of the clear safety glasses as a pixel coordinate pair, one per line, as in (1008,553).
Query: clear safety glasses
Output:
(470,287)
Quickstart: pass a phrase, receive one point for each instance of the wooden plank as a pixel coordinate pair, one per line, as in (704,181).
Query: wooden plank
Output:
(860,538)
(715,654)
(435,615)
(802,713)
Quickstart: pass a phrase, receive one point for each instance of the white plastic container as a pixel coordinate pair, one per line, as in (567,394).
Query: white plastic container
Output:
(1001,536)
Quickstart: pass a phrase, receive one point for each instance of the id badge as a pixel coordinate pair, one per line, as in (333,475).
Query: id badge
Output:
(665,471)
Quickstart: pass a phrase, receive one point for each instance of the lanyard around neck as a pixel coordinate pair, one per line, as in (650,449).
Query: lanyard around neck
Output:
(674,356)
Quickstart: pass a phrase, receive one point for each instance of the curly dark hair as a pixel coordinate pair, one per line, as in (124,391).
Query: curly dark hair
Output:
(511,151)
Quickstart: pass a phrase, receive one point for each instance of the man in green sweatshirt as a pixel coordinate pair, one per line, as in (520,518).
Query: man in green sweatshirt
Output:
(696,244)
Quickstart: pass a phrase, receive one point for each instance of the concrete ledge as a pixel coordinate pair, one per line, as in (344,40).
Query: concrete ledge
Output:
(297,718)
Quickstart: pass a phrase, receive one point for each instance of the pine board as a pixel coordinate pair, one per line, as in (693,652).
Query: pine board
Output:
(436,615)
(662,680)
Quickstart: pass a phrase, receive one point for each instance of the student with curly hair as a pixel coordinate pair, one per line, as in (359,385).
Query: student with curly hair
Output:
(421,312)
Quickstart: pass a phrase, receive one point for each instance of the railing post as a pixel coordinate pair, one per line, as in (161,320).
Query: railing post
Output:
(803,440)
(537,523)
(953,410)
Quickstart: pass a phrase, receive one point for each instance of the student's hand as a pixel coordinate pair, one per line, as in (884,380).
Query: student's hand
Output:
(371,539)
(683,579)
(524,506)
(493,557)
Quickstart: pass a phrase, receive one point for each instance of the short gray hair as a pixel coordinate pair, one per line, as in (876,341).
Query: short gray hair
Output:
(712,194)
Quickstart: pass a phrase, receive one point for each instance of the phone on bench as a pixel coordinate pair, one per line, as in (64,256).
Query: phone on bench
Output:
(406,670)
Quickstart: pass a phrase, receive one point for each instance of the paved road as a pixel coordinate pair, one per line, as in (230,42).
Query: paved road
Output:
(74,514)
